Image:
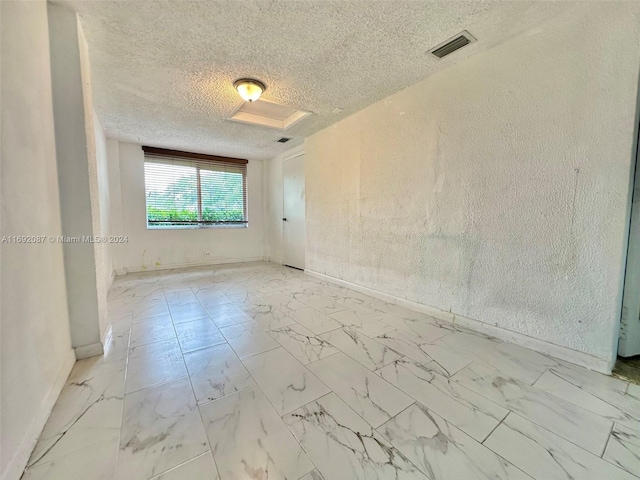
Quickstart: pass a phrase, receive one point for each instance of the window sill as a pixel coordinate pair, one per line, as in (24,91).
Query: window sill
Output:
(195,227)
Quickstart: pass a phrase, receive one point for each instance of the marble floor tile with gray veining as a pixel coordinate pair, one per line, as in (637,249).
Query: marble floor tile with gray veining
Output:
(633,390)
(580,426)
(89,405)
(187,312)
(198,334)
(149,310)
(314,320)
(419,350)
(153,364)
(227,314)
(248,338)
(285,381)
(161,428)
(366,322)
(361,348)
(442,451)
(249,440)
(215,372)
(211,296)
(373,398)
(302,344)
(469,343)
(84,454)
(520,362)
(342,445)
(199,468)
(257,371)
(405,312)
(249,302)
(120,307)
(152,330)
(321,302)
(417,326)
(146,293)
(623,449)
(609,389)
(180,297)
(546,456)
(357,300)
(116,342)
(312,475)
(550,382)
(512,360)
(284,303)
(270,318)
(426,383)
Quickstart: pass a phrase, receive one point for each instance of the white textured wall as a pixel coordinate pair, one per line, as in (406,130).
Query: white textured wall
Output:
(165,248)
(115,200)
(104,251)
(36,349)
(75,151)
(98,185)
(496,189)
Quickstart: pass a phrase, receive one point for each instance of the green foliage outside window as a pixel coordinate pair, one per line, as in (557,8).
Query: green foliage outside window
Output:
(177,203)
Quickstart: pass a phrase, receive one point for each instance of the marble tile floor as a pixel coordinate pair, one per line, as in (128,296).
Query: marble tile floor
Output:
(257,371)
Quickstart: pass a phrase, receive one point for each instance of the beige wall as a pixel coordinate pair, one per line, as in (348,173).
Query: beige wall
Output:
(496,189)
(36,349)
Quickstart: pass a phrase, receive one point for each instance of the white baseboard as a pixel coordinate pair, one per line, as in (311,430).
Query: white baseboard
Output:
(18,462)
(87,351)
(563,353)
(220,261)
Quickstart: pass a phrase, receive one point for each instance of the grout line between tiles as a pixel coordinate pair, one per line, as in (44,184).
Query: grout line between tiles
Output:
(606,444)
(193,392)
(500,456)
(539,377)
(530,419)
(494,428)
(124,394)
(183,463)
(256,384)
(276,285)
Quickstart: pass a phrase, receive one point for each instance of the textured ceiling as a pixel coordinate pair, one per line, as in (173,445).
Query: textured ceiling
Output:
(163,70)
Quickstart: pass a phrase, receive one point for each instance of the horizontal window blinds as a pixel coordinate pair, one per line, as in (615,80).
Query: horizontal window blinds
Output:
(194,190)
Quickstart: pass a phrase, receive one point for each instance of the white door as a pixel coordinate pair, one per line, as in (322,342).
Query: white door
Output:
(293,212)
(629,343)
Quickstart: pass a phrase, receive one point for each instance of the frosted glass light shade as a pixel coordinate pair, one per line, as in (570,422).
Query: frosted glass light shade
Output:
(249,89)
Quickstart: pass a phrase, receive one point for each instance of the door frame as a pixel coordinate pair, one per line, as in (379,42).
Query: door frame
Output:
(631,278)
(290,155)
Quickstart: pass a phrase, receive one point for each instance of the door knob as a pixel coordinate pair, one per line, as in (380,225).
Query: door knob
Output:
(284,219)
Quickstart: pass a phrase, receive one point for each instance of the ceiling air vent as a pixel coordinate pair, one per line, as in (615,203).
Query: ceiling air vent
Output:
(453,44)
(283,140)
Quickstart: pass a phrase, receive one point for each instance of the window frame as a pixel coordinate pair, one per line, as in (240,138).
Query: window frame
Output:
(155,152)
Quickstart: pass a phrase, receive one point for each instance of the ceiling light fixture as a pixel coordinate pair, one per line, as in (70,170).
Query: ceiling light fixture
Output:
(249,89)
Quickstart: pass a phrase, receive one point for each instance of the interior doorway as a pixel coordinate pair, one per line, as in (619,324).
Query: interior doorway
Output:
(293,218)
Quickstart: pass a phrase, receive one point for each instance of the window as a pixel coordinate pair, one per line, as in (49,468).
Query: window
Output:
(194,190)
